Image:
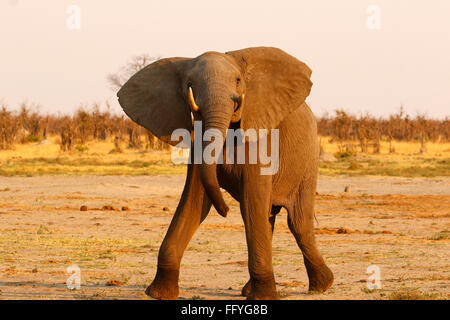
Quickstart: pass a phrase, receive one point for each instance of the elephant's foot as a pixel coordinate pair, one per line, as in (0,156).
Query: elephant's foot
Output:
(261,289)
(320,278)
(165,285)
(246,289)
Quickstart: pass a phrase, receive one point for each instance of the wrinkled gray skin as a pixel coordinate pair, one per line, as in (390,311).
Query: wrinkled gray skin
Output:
(275,85)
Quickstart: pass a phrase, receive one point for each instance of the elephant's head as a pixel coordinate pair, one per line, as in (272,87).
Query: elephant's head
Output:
(257,87)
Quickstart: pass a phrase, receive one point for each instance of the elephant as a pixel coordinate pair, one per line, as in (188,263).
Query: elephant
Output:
(253,88)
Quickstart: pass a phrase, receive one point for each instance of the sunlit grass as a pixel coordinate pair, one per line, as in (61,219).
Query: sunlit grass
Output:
(98,158)
(376,166)
(406,161)
(402,148)
(95,158)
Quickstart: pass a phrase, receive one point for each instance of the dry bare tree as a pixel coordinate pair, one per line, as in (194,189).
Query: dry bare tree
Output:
(117,80)
(66,134)
(8,128)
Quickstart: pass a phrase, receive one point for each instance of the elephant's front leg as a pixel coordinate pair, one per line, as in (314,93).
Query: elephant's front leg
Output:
(193,208)
(246,290)
(255,208)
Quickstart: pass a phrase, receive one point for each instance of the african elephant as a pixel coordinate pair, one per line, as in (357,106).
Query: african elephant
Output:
(259,88)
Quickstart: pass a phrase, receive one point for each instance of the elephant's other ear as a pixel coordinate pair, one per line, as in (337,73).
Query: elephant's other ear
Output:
(276,82)
(153,98)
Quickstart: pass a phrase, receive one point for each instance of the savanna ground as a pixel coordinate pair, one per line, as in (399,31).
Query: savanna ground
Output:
(395,214)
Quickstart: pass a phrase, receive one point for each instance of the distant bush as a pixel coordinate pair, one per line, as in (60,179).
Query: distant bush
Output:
(8,128)
(346,154)
(366,131)
(352,133)
(86,124)
(81,148)
(33,139)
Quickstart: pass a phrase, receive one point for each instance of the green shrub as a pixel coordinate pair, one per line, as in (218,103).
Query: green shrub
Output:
(33,139)
(81,148)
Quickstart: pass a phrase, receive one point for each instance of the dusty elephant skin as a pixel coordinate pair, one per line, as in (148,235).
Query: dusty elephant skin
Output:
(254,88)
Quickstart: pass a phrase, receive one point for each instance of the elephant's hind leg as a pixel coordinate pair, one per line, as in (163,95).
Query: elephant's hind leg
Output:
(193,208)
(301,224)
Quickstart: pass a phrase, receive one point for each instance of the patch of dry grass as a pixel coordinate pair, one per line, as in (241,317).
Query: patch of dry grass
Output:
(402,148)
(442,235)
(94,159)
(407,161)
(97,158)
(412,294)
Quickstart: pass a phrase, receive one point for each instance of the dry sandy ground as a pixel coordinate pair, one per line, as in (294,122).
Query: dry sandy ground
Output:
(398,224)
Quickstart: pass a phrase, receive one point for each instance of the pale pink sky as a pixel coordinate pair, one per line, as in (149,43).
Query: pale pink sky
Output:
(406,62)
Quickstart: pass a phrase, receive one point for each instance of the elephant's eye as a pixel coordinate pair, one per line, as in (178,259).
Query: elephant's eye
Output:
(238,80)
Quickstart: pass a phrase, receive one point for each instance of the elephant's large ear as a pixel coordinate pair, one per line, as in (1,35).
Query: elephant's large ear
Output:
(153,98)
(276,84)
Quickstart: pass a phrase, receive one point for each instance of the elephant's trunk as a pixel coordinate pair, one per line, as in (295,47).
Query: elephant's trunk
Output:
(208,176)
(208,172)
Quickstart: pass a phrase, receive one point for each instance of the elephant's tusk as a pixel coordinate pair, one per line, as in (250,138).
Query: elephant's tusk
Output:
(241,100)
(192,103)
